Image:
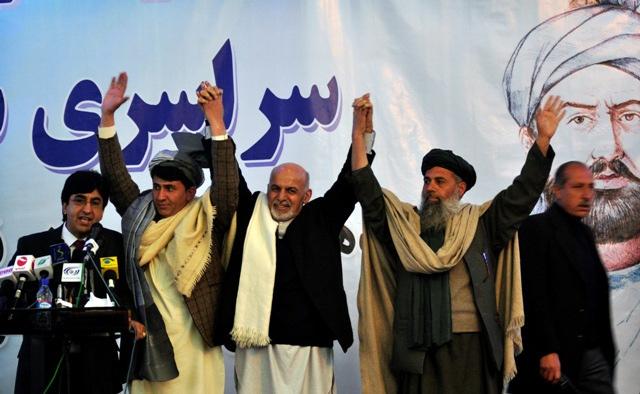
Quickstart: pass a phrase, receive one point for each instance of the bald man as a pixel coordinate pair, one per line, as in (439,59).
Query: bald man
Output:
(283,301)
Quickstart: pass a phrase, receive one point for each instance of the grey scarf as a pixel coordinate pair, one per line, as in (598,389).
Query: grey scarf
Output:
(429,302)
(154,360)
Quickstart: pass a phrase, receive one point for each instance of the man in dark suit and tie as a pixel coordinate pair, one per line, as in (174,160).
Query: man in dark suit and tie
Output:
(568,345)
(93,361)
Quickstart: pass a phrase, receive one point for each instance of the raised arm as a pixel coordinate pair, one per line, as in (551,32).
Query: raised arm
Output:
(224,169)
(112,165)
(210,101)
(547,119)
(512,205)
(366,187)
(362,125)
(340,200)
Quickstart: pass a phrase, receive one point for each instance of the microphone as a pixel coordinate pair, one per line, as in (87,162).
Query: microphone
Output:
(23,271)
(91,245)
(43,267)
(109,270)
(71,278)
(6,275)
(7,285)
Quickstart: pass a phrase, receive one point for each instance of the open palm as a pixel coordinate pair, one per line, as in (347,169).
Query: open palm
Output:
(115,97)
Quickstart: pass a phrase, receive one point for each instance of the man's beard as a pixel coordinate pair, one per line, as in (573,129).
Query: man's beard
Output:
(281,216)
(434,215)
(614,214)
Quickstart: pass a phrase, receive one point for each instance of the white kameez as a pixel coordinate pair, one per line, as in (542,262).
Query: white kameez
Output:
(285,369)
(201,368)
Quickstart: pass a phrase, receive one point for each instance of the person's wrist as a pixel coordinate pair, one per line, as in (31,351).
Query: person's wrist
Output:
(213,119)
(107,119)
(217,129)
(543,138)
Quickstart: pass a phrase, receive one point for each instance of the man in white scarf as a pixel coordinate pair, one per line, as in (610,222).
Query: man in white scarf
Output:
(173,247)
(283,302)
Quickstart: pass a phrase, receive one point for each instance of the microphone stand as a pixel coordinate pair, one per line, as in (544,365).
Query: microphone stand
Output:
(17,295)
(67,341)
(89,256)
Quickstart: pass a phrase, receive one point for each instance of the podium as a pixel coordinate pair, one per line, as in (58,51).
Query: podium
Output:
(64,321)
(83,335)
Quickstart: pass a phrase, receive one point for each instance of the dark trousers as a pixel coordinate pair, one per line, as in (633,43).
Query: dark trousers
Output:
(460,366)
(593,377)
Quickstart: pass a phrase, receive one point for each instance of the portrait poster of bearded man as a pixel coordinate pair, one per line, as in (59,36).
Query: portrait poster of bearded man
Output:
(590,57)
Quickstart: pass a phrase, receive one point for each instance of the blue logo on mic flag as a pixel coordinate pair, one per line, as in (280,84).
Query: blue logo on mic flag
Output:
(60,253)
(73,270)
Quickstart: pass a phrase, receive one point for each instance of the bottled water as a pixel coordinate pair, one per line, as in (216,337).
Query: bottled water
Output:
(44,297)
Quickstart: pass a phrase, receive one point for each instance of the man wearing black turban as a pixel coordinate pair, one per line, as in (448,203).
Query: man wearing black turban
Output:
(450,161)
(439,298)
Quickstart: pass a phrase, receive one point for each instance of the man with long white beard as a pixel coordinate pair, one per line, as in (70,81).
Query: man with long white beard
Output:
(434,215)
(439,299)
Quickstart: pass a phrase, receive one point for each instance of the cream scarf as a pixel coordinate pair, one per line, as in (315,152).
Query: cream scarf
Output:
(255,290)
(376,292)
(187,237)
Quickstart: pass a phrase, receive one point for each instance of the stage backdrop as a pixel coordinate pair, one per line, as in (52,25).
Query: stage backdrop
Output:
(458,74)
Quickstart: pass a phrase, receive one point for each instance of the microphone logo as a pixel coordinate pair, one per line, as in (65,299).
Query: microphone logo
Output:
(109,264)
(60,253)
(71,271)
(21,261)
(108,261)
(40,261)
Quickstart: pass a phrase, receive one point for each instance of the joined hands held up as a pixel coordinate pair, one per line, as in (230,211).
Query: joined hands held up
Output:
(362,116)
(210,101)
(362,124)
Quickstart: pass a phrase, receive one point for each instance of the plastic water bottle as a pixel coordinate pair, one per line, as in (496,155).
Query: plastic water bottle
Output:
(44,296)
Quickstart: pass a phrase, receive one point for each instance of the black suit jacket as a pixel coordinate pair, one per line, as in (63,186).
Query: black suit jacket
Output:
(555,295)
(95,368)
(313,238)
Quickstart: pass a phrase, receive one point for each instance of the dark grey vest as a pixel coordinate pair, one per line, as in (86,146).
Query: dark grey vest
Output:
(480,263)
